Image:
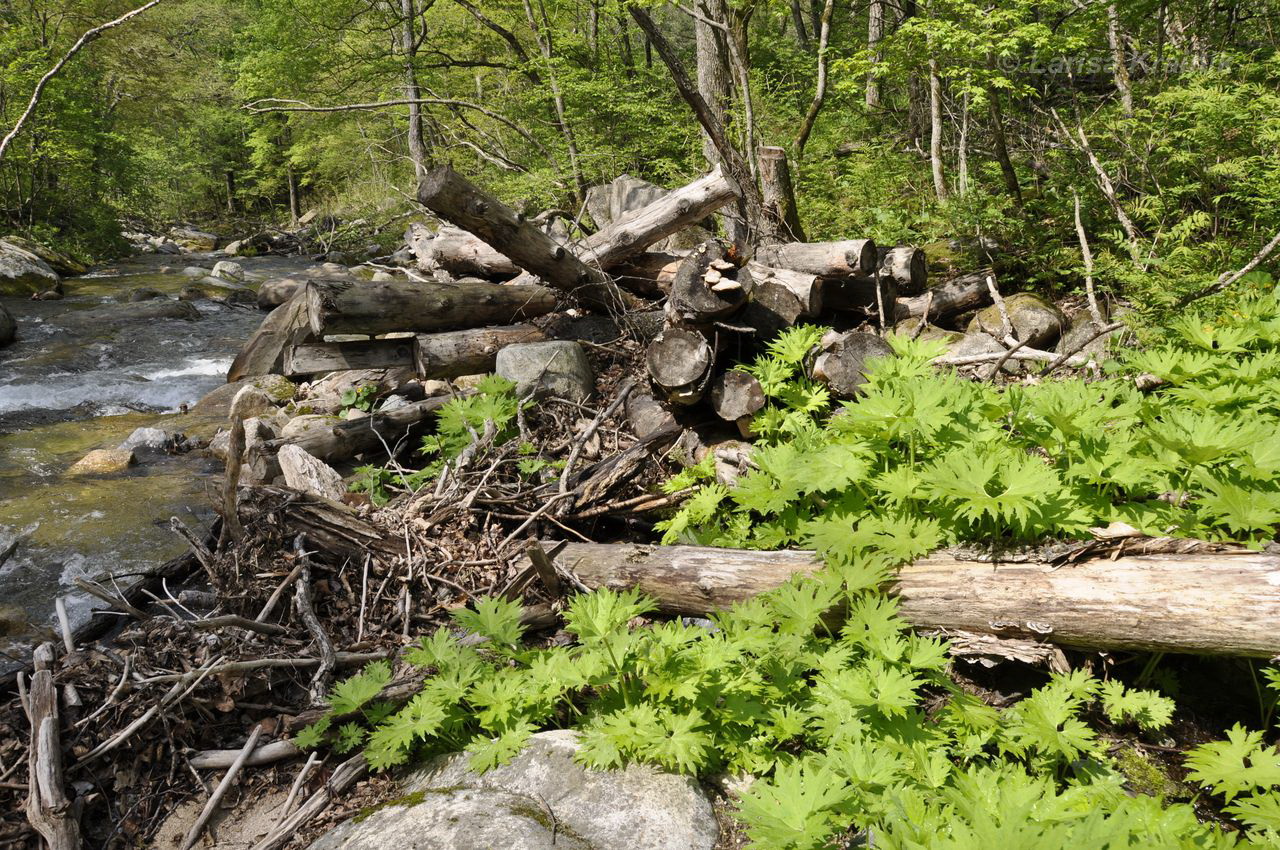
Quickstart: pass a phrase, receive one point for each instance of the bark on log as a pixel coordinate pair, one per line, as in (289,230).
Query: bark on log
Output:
(357,436)
(808,289)
(826,259)
(318,358)
(649,274)
(458,252)
(906,266)
(680,363)
(48,808)
(773,309)
(708,287)
(342,307)
(966,292)
(285,326)
(779,194)
(1218,603)
(842,363)
(860,295)
(470,352)
(453,197)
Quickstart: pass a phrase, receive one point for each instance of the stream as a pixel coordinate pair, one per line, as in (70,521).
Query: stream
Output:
(67,388)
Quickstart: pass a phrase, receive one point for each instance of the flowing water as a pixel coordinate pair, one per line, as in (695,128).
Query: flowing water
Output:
(68,387)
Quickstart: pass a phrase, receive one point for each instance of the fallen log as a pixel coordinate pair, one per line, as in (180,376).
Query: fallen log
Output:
(648,274)
(49,809)
(458,252)
(454,198)
(284,327)
(957,295)
(346,307)
(680,362)
(906,266)
(357,436)
(737,397)
(809,289)
(844,360)
(825,259)
(707,287)
(317,358)
(439,356)
(1194,598)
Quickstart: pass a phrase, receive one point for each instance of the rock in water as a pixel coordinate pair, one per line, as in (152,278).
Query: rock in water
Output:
(152,439)
(8,327)
(542,799)
(56,260)
(103,462)
(191,239)
(556,368)
(228,270)
(22,273)
(1036,320)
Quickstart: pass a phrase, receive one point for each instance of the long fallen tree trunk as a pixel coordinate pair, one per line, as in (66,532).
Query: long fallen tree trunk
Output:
(451,354)
(1212,602)
(346,307)
(966,292)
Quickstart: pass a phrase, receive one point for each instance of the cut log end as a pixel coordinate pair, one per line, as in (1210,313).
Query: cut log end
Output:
(680,363)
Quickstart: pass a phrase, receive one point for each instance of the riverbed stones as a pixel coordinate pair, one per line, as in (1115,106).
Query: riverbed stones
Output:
(228,270)
(546,369)
(218,401)
(144,293)
(191,239)
(23,273)
(308,474)
(147,439)
(1035,319)
(8,327)
(112,315)
(103,462)
(541,799)
(61,263)
(274,292)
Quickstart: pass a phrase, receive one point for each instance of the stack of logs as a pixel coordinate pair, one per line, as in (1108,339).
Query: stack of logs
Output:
(494,272)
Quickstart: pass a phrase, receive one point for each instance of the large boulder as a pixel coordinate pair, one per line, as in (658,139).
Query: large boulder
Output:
(228,270)
(191,239)
(23,273)
(274,292)
(217,403)
(103,462)
(308,474)
(544,369)
(542,799)
(109,315)
(8,327)
(56,260)
(1079,335)
(1035,319)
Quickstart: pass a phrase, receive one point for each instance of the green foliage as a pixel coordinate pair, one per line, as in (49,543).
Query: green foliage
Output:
(360,398)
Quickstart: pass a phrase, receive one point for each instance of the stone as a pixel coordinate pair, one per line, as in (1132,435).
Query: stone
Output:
(379,277)
(274,292)
(308,474)
(141,311)
(977,342)
(541,799)
(191,239)
(22,273)
(61,263)
(393,402)
(555,368)
(143,293)
(260,466)
(152,439)
(8,327)
(195,271)
(164,246)
(1035,319)
(1084,328)
(302,425)
(217,403)
(103,462)
(228,270)
(48,295)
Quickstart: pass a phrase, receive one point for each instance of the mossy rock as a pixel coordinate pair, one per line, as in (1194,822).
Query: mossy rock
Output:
(218,402)
(1144,776)
(1035,319)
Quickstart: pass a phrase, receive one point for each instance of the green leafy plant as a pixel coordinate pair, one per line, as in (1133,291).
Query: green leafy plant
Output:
(360,398)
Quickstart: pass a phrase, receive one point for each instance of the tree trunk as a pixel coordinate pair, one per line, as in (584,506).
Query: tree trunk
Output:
(820,87)
(313,359)
(1001,147)
(707,287)
(649,274)
(456,199)
(966,292)
(906,266)
(1119,67)
(779,193)
(935,131)
(349,307)
(736,396)
(797,20)
(458,252)
(295,207)
(418,153)
(875,31)
(808,289)
(680,362)
(712,58)
(825,259)
(285,326)
(470,352)
(1217,602)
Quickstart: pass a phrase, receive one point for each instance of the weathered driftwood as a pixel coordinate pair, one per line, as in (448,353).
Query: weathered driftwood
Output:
(317,358)
(357,436)
(49,809)
(708,286)
(284,327)
(469,352)
(966,292)
(826,259)
(343,307)
(680,362)
(454,198)
(1203,601)
(458,252)
(333,530)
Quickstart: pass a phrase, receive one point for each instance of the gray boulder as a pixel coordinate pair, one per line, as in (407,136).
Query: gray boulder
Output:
(1084,328)
(543,798)
(556,368)
(56,260)
(228,270)
(8,327)
(151,439)
(977,342)
(191,239)
(143,293)
(143,311)
(1034,319)
(22,273)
